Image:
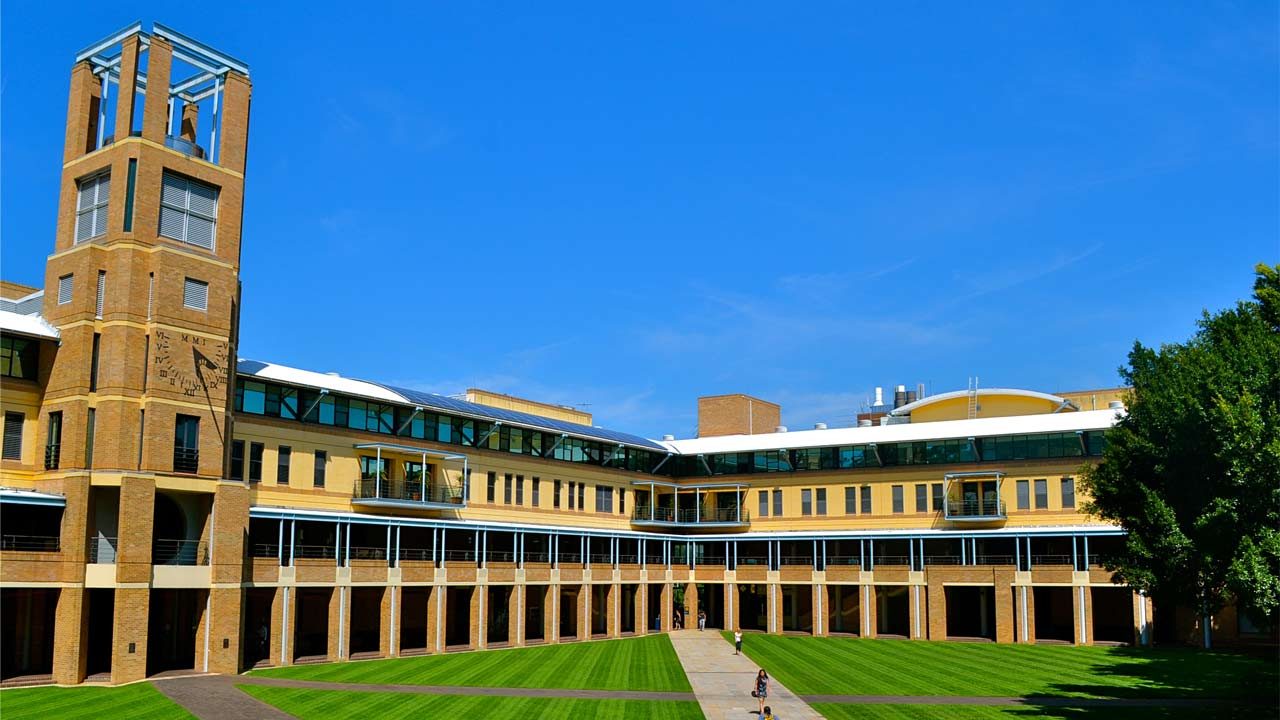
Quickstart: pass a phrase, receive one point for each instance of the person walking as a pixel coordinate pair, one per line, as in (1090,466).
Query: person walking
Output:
(761,691)
(702,621)
(737,642)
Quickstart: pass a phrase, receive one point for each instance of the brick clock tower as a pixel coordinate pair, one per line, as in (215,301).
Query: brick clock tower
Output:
(143,286)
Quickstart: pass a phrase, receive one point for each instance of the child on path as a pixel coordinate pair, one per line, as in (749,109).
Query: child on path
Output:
(702,621)
(737,642)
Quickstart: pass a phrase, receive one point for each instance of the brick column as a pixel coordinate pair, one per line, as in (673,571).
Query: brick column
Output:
(665,610)
(937,611)
(691,606)
(155,109)
(820,610)
(70,636)
(584,612)
(126,100)
(1005,615)
(613,599)
(280,631)
(1078,611)
(774,609)
(918,611)
(872,617)
(551,613)
(435,618)
(226,636)
(1029,611)
(339,623)
(515,616)
(478,608)
(233,137)
(643,622)
(83,103)
(129,640)
(390,609)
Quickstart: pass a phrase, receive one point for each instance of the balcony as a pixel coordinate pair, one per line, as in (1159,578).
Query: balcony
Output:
(30,543)
(186,460)
(407,492)
(986,510)
(102,550)
(695,516)
(52,456)
(179,552)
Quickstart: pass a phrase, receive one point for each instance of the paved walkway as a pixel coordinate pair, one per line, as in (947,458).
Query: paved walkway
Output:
(723,681)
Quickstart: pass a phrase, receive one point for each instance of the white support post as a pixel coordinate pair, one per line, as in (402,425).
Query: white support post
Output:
(1075,555)
(284,628)
(1022,612)
(280,544)
(484,549)
(1143,638)
(964,543)
(1086,552)
(697,507)
(911,553)
(397,555)
(337,544)
(293,533)
(346,555)
(1017,553)
(214,155)
(102,109)
(377,475)
(388,551)
(342,620)
(871,555)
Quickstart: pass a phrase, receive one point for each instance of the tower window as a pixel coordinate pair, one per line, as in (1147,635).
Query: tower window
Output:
(65,285)
(19,357)
(195,295)
(186,444)
(91,206)
(188,211)
(13,435)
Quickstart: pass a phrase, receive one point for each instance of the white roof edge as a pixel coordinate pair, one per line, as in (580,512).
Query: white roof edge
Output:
(902,432)
(922,402)
(319,381)
(30,325)
(31,497)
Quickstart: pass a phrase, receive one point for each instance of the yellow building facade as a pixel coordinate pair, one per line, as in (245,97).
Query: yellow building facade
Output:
(167,507)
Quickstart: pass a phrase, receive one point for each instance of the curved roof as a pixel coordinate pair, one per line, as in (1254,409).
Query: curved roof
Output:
(29,325)
(440,403)
(982,392)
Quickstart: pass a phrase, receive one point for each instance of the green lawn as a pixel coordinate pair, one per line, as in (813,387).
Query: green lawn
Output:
(849,666)
(643,663)
(960,712)
(336,704)
(140,701)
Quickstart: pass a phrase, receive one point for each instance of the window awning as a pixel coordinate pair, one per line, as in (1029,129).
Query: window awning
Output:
(31,497)
(395,447)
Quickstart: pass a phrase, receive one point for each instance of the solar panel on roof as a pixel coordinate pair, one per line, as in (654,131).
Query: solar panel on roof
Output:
(445,403)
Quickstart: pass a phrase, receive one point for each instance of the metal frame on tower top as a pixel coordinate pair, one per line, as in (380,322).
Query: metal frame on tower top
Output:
(207,82)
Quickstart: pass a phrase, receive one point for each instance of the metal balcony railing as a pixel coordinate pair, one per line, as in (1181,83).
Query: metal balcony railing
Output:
(102,550)
(689,516)
(324,551)
(367,553)
(30,543)
(264,550)
(186,460)
(1050,560)
(179,552)
(52,454)
(992,509)
(418,554)
(406,490)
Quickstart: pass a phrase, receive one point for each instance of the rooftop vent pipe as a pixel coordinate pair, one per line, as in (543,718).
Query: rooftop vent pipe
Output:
(879,397)
(1115,405)
(819,426)
(865,422)
(668,437)
(780,428)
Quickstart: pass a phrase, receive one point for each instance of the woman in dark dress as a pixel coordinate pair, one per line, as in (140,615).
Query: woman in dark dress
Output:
(762,688)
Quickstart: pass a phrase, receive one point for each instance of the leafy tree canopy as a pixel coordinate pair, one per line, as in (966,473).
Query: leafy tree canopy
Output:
(1192,471)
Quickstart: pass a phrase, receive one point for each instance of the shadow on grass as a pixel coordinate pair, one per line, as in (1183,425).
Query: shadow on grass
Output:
(1197,683)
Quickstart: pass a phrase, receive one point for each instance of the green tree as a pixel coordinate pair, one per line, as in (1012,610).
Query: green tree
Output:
(1192,471)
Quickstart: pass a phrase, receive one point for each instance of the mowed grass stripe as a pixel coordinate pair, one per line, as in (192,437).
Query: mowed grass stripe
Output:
(643,663)
(809,665)
(339,704)
(138,702)
(977,712)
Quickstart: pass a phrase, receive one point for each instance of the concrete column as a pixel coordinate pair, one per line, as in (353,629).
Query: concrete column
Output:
(775,609)
(872,613)
(918,611)
(732,613)
(1027,618)
(435,618)
(819,602)
(127,99)
(155,109)
(281,628)
(551,613)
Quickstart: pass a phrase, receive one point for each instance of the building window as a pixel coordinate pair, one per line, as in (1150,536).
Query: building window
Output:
(255,462)
(622,501)
(937,496)
(283,456)
(851,501)
(1024,495)
(922,498)
(186,444)
(90,422)
(66,284)
(491,488)
(777,503)
(582,495)
(13,435)
(866,499)
(1042,494)
(764,503)
(519,489)
(131,180)
(555,495)
(537,500)
(573,492)
(195,295)
(806,501)
(506,488)
(237,461)
(101,295)
(91,206)
(19,357)
(53,443)
(188,211)
(822,501)
(322,460)
(93,362)
(1068,493)
(897,499)
(604,499)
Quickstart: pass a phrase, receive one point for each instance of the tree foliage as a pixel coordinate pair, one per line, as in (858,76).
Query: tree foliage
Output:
(1192,471)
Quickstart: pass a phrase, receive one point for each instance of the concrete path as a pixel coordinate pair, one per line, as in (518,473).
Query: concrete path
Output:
(211,697)
(723,681)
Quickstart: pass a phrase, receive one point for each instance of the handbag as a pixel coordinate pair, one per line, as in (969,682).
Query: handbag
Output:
(755,693)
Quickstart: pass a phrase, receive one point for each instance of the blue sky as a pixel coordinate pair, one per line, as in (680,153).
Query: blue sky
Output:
(631,208)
